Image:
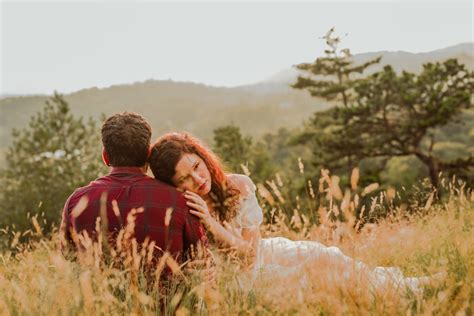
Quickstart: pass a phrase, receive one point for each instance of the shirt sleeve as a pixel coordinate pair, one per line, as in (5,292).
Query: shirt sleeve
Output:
(64,229)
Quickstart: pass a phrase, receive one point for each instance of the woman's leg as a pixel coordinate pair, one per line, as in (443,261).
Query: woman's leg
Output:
(332,260)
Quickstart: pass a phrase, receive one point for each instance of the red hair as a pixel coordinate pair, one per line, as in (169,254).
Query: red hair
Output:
(165,155)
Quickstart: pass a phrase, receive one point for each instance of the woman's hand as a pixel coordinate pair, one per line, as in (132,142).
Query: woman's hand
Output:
(245,244)
(198,207)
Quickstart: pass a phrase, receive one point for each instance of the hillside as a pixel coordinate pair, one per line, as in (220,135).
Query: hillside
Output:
(257,109)
(175,106)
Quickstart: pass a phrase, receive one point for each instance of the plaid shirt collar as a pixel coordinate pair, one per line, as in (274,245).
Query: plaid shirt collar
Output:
(128,170)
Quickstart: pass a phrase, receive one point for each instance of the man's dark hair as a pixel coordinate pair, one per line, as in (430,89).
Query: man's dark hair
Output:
(126,139)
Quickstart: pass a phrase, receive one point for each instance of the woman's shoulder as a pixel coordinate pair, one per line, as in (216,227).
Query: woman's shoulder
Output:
(242,183)
(250,214)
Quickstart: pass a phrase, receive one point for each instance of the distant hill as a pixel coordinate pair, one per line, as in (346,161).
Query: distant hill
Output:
(171,106)
(399,60)
(257,109)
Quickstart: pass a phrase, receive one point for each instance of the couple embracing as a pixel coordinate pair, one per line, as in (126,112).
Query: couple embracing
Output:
(204,201)
(189,198)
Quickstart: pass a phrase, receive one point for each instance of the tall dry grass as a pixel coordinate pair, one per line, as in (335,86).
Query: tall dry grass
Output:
(436,236)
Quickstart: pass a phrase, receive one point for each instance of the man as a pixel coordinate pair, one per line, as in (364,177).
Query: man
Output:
(129,200)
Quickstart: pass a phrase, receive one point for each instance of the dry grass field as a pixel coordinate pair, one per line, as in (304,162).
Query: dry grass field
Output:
(436,237)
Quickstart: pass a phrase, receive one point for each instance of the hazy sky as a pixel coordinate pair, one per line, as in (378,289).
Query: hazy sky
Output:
(68,46)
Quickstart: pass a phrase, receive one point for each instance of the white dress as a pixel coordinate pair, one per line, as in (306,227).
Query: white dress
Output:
(281,257)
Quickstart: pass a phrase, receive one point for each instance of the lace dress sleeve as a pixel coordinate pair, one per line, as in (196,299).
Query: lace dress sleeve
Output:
(250,215)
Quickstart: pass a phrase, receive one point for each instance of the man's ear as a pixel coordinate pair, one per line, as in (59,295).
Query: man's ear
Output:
(149,151)
(105,158)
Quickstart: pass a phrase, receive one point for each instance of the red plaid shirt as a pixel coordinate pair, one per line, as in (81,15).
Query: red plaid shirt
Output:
(133,189)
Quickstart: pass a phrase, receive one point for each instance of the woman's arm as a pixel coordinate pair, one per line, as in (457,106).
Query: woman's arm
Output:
(245,245)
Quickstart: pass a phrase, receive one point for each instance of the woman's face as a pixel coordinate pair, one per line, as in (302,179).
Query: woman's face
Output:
(192,174)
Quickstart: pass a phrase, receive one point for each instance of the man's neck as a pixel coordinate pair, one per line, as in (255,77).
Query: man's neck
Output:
(142,169)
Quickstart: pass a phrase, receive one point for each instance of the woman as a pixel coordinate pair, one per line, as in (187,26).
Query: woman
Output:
(228,207)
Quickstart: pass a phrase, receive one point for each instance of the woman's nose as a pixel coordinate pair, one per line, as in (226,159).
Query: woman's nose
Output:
(197,179)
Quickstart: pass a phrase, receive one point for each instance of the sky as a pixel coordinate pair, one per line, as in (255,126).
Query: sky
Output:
(67,46)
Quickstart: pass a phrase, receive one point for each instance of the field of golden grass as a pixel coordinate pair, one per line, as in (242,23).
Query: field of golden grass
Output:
(36,279)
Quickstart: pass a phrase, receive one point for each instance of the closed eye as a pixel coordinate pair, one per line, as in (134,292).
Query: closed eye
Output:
(181,180)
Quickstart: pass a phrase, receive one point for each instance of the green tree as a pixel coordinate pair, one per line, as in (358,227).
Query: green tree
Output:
(397,115)
(54,155)
(261,166)
(334,78)
(384,115)
(232,147)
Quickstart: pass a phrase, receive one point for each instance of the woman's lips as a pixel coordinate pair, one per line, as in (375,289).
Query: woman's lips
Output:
(202,186)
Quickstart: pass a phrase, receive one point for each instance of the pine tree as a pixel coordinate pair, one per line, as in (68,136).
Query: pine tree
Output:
(54,155)
(334,78)
(386,114)
(398,115)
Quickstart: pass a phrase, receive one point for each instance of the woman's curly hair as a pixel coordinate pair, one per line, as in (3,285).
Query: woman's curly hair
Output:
(165,155)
